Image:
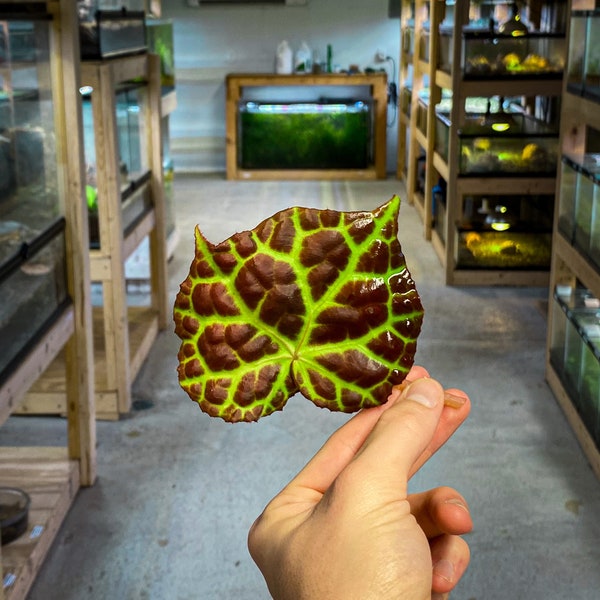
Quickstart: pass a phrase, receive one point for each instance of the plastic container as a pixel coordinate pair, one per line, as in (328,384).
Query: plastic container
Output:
(303,59)
(14,513)
(284,59)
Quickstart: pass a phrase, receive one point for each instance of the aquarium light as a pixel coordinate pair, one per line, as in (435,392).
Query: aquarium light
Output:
(86,90)
(500,127)
(305,107)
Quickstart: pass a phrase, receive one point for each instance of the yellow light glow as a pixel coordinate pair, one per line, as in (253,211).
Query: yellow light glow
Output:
(500,127)
(500,226)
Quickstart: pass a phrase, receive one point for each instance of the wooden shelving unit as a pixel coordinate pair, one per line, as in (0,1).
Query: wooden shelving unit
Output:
(235,85)
(123,335)
(405,80)
(443,220)
(574,268)
(52,476)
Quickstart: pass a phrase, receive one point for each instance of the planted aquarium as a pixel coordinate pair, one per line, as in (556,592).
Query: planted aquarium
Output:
(312,135)
(32,253)
(491,55)
(505,232)
(509,143)
(133,159)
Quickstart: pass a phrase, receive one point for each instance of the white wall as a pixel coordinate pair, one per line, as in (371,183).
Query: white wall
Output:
(211,41)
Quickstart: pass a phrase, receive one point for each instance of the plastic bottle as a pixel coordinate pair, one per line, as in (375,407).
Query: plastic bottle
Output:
(303,61)
(283,59)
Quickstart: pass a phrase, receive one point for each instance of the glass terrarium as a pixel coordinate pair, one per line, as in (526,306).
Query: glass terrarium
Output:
(569,171)
(445,43)
(576,60)
(491,55)
(507,143)
(559,335)
(159,35)
(408,38)
(108,29)
(587,214)
(32,253)
(591,74)
(134,169)
(424,43)
(310,135)
(422,115)
(588,323)
(505,232)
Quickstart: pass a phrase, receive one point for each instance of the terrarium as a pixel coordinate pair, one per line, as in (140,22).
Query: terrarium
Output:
(424,43)
(422,115)
(133,159)
(408,38)
(491,55)
(505,232)
(588,323)
(32,253)
(507,143)
(159,35)
(107,29)
(591,74)
(307,135)
(569,171)
(587,213)
(445,43)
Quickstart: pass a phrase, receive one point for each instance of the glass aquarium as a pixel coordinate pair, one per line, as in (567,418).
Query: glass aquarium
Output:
(408,38)
(311,135)
(445,42)
(424,43)
(583,71)
(505,232)
(422,105)
(491,55)
(507,143)
(559,335)
(569,172)
(32,252)
(588,324)
(134,171)
(405,99)
(159,35)
(586,212)
(108,29)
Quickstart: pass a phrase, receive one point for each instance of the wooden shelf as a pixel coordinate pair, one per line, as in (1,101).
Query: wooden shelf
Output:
(458,184)
(564,401)
(48,394)
(235,85)
(51,479)
(52,476)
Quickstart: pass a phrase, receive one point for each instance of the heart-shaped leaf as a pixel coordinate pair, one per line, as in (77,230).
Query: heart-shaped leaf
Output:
(315,301)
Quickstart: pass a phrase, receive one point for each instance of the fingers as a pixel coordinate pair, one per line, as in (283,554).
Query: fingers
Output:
(450,420)
(399,438)
(450,557)
(441,510)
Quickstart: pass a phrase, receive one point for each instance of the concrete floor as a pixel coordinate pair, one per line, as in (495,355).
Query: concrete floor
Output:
(177,490)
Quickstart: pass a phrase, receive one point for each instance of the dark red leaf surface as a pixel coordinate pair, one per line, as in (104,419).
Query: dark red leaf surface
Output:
(312,301)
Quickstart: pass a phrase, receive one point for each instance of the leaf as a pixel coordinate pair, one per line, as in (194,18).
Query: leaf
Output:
(312,301)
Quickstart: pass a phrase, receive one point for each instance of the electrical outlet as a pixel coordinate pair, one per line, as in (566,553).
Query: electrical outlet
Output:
(380,56)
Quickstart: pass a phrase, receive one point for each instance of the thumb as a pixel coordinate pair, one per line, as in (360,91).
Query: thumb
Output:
(400,437)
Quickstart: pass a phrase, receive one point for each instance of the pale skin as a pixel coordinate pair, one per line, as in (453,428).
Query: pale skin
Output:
(345,527)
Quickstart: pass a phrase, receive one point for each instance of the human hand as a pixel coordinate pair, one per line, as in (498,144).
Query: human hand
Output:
(346,528)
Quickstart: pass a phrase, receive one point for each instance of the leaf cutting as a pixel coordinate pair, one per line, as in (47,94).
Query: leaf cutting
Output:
(311,300)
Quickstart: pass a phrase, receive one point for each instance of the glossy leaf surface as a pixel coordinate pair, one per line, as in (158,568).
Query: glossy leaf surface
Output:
(312,301)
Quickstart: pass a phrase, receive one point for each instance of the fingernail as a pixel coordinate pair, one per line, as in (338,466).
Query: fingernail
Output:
(457,502)
(453,401)
(445,569)
(413,393)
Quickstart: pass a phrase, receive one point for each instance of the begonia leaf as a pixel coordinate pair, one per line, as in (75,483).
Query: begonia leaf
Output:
(314,301)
